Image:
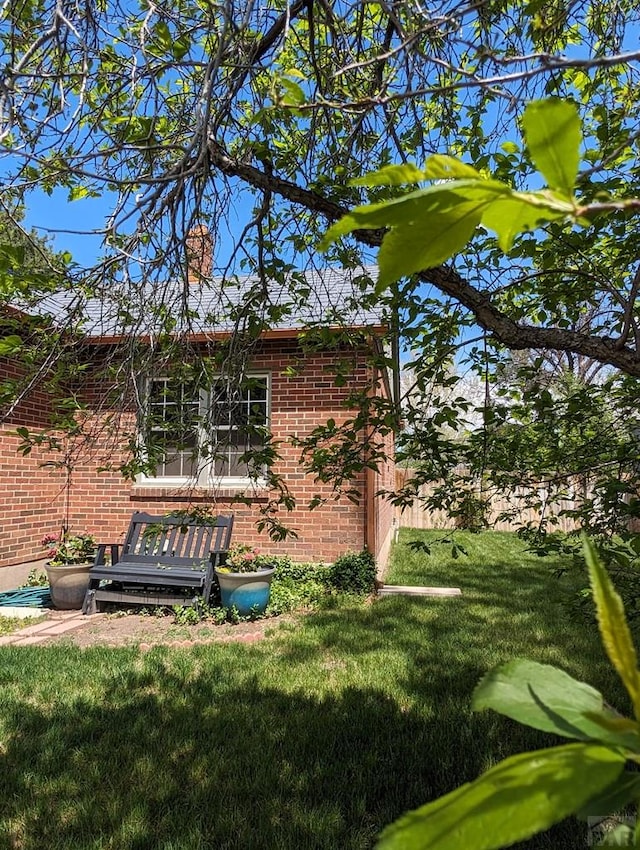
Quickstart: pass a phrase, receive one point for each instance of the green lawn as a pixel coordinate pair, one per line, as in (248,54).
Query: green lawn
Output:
(315,738)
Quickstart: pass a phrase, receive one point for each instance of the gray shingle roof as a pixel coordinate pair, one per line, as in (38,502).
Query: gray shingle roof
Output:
(328,297)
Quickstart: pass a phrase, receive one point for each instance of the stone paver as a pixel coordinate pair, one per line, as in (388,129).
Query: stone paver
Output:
(62,622)
(28,641)
(59,623)
(408,590)
(36,629)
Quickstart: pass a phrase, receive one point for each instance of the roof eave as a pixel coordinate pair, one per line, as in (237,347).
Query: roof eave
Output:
(272,334)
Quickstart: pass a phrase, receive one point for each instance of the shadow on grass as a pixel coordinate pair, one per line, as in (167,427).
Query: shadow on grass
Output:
(507,614)
(317,738)
(513,602)
(165,762)
(185,750)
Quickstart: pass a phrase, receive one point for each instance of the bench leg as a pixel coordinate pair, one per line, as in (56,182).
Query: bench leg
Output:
(207,584)
(90,605)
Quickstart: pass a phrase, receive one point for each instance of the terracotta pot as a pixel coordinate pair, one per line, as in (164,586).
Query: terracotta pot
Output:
(247,592)
(68,584)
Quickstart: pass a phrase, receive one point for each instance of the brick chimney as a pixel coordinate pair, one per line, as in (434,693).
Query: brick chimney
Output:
(199,250)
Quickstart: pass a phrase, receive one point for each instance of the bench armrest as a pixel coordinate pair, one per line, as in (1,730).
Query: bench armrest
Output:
(99,559)
(218,557)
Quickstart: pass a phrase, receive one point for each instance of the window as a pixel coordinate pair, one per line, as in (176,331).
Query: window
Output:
(202,434)
(174,413)
(238,421)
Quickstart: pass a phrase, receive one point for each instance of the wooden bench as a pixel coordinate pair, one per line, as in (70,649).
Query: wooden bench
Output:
(164,560)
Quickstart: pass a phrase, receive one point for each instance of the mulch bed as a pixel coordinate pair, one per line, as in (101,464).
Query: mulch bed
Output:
(146,631)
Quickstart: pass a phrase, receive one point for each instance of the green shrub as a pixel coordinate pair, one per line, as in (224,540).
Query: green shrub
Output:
(282,563)
(353,572)
(287,570)
(296,586)
(186,615)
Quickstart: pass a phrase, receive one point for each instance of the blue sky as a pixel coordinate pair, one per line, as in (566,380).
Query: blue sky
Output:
(69,224)
(76,226)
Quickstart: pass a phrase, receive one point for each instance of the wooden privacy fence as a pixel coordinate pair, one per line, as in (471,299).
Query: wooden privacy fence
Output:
(417,516)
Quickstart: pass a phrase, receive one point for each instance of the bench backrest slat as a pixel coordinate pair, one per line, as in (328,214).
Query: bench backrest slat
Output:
(174,539)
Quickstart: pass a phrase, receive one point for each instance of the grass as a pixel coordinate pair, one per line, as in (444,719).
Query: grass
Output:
(315,738)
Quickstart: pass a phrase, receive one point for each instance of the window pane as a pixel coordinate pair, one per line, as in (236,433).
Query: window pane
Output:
(236,469)
(258,391)
(258,413)
(172,427)
(179,463)
(239,430)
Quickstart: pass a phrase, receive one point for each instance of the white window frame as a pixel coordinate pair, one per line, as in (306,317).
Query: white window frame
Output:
(206,476)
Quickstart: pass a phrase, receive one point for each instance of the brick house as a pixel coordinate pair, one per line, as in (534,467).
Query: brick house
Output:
(298,374)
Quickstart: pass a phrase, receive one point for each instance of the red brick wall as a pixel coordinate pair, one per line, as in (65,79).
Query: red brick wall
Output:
(31,495)
(101,502)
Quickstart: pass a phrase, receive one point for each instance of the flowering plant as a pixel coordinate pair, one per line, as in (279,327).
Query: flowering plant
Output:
(242,559)
(76,549)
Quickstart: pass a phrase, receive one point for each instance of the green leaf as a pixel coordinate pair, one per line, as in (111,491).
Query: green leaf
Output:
(294,95)
(181,46)
(391,175)
(624,790)
(428,225)
(516,799)
(162,35)
(553,134)
(549,699)
(442,167)
(295,72)
(517,214)
(612,622)
(431,241)
(76,193)
(10,345)
(411,209)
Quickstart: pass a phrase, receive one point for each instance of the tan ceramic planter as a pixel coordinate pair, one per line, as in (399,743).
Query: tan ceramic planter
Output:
(68,584)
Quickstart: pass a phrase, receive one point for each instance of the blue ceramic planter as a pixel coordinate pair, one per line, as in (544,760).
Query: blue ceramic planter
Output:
(247,592)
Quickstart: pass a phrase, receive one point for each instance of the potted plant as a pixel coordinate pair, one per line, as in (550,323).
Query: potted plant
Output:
(245,580)
(70,557)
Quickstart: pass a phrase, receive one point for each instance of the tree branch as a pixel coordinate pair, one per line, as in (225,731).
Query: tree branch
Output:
(510,333)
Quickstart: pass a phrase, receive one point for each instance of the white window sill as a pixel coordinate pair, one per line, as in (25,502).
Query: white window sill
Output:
(184,488)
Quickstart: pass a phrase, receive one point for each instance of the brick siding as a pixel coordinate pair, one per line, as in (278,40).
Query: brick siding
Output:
(101,502)
(31,494)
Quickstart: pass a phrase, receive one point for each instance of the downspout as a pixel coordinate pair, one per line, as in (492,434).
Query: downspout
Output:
(395,357)
(370,524)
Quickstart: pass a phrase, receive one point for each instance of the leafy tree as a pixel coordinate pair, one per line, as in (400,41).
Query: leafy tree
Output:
(527,793)
(29,269)
(263,120)
(259,120)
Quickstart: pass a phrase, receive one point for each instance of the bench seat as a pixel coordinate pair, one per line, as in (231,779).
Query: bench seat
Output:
(160,552)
